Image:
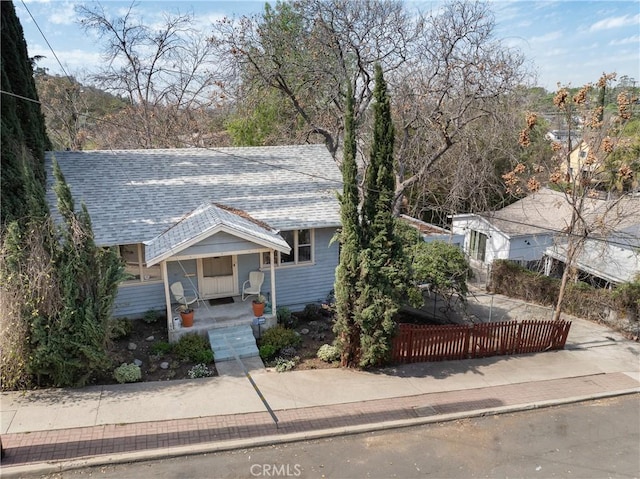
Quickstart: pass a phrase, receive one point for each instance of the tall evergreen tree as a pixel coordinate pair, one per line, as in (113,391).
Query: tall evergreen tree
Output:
(24,138)
(58,287)
(70,346)
(346,326)
(384,272)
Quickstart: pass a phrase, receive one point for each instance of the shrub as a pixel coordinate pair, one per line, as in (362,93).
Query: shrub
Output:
(328,306)
(120,328)
(312,312)
(288,352)
(280,337)
(161,348)
(283,364)
(127,373)
(193,347)
(200,370)
(328,353)
(267,352)
(203,356)
(150,316)
(285,318)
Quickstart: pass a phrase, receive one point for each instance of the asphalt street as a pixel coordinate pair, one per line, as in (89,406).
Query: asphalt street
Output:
(591,439)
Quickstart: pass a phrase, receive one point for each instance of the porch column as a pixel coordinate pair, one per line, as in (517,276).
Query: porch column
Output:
(167,295)
(547,265)
(273,283)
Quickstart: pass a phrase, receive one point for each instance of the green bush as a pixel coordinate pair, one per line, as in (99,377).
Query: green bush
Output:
(194,347)
(312,312)
(284,364)
(328,353)
(161,348)
(120,328)
(127,373)
(267,352)
(285,318)
(151,316)
(200,370)
(280,337)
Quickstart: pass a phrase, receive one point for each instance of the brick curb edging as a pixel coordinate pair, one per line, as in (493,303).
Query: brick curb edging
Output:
(55,451)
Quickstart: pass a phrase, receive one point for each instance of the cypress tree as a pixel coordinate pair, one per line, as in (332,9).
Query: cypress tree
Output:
(346,325)
(70,346)
(384,271)
(24,139)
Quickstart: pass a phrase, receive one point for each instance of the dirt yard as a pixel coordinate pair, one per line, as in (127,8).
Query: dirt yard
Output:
(139,345)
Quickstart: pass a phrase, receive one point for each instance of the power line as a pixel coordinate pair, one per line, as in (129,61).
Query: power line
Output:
(45,38)
(311,175)
(264,163)
(21,97)
(331,180)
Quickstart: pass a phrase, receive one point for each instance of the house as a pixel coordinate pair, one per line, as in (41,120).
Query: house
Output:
(208,217)
(520,232)
(529,231)
(611,255)
(561,136)
(430,232)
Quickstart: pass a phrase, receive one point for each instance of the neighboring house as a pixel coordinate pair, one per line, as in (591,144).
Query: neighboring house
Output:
(582,166)
(609,256)
(561,136)
(430,232)
(530,229)
(520,232)
(208,217)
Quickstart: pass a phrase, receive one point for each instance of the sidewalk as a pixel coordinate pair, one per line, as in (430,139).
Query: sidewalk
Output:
(53,430)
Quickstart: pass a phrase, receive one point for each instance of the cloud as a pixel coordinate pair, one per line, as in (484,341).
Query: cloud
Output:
(547,37)
(615,22)
(62,13)
(626,41)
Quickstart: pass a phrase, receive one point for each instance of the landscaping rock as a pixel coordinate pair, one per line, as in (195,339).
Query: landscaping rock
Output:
(164,365)
(150,338)
(132,346)
(137,362)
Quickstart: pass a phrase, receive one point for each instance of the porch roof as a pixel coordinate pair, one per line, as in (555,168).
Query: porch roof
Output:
(205,221)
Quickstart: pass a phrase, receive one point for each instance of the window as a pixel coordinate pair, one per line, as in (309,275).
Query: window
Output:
(135,266)
(477,245)
(301,242)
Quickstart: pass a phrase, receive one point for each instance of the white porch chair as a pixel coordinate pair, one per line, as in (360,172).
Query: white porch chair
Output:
(179,294)
(253,284)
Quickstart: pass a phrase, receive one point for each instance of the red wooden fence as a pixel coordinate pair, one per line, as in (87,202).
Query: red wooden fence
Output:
(419,343)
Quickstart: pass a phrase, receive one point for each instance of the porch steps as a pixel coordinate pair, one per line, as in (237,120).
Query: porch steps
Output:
(227,342)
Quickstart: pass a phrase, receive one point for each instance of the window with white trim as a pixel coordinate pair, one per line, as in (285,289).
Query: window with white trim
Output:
(301,243)
(136,268)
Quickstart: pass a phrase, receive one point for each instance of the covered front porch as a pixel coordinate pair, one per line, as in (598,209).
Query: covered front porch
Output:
(210,253)
(221,314)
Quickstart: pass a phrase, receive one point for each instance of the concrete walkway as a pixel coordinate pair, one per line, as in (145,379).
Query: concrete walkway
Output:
(57,429)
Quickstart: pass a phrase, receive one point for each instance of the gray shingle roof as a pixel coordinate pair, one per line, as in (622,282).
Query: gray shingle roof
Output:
(134,195)
(543,212)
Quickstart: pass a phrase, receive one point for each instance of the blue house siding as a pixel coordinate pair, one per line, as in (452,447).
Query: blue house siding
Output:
(246,264)
(298,286)
(135,299)
(184,271)
(218,245)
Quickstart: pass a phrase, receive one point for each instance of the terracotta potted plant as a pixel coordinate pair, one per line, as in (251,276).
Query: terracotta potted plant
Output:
(186,313)
(258,306)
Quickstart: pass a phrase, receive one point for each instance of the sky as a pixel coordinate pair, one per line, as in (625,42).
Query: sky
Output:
(570,42)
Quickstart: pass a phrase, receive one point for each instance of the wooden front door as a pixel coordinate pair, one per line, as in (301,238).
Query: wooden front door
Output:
(217,276)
